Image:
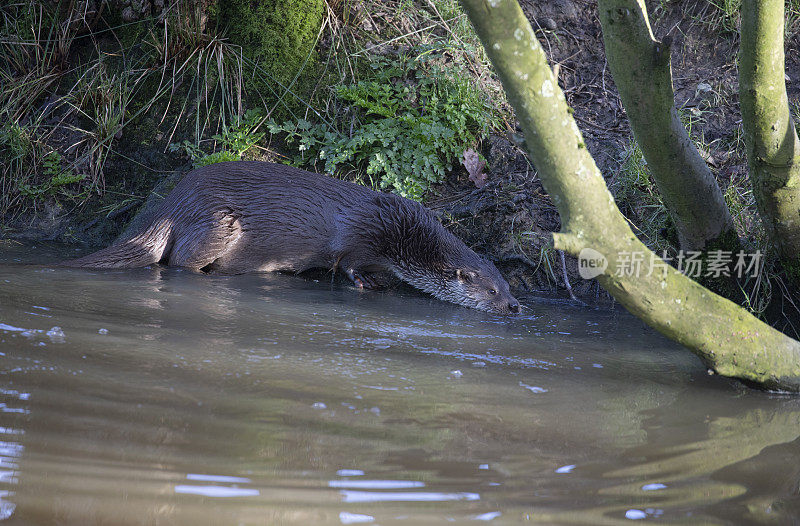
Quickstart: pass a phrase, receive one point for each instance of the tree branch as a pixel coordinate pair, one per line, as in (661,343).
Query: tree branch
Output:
(641,69)
(773,150)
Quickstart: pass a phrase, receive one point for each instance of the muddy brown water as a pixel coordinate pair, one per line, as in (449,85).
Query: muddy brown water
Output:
(158,396)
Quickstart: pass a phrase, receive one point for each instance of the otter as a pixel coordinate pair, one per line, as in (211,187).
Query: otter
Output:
(244,216)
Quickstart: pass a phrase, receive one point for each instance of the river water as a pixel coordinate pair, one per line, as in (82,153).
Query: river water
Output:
(159,396)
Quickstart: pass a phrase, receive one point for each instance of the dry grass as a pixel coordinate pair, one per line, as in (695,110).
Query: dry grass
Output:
(181,65)
(183,50)
(33,48)
(723,16)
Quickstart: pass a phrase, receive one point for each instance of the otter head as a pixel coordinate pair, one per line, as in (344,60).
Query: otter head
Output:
(482,287)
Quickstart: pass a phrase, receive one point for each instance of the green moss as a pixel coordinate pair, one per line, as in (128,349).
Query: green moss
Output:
(233,142)
(728,240)
(726,286)
(278,35)
(792,270)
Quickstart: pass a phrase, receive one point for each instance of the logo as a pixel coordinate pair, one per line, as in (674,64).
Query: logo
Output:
(591,263)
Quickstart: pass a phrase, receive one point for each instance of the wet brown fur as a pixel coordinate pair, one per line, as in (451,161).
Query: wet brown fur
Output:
(252,216)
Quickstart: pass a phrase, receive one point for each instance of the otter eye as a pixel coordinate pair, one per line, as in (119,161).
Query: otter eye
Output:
(492,291)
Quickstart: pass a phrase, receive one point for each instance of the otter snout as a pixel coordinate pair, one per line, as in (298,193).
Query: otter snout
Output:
(508,305)
(504,306)
(502,303)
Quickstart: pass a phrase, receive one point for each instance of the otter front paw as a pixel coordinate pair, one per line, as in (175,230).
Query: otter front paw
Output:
(362,280)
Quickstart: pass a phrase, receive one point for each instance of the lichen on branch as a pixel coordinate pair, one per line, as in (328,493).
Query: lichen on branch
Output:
(773,149)
(641,68)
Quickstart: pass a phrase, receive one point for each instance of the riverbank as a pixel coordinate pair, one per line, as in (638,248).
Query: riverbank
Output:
(107,106)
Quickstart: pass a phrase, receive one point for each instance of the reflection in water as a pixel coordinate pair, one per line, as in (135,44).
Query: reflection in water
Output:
(376,484)
(354,518)
(217,478)
(10,448)
(216,491)
(349,472)
(162,396)
(406,496)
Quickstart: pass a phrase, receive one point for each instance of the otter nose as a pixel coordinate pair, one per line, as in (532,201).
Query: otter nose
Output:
(513,306)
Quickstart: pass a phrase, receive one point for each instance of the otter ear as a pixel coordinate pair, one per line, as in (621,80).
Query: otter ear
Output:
(467,276)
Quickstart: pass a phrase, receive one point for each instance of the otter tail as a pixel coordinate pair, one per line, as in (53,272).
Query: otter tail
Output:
(140,250)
